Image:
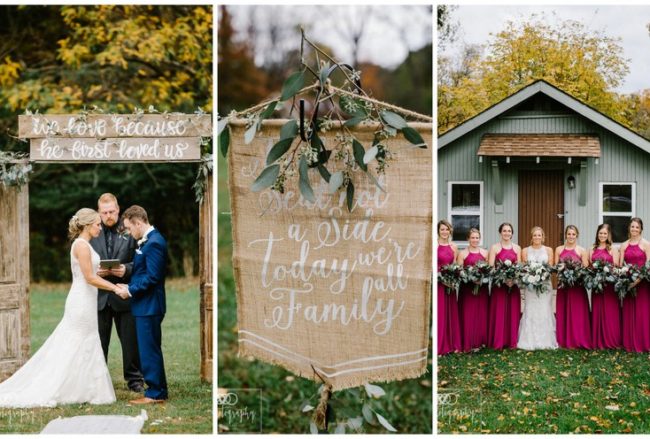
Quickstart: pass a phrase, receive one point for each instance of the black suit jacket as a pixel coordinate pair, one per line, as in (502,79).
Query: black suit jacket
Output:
(123,249)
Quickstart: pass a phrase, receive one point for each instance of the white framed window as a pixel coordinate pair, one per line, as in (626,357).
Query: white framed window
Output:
(616,205)
(465,208)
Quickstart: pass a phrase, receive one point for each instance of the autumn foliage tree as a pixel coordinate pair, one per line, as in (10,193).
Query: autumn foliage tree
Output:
(64,59)
(583,63)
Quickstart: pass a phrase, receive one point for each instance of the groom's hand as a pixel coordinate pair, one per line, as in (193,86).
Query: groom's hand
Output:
(118,272)
(124,291)
(103,272)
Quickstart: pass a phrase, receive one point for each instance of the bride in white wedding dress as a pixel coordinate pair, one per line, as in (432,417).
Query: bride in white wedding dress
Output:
(70,366)
(537,326)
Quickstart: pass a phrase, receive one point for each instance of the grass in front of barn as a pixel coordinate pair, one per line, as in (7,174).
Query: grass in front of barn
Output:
(561,391)
(407,404)
(189,409)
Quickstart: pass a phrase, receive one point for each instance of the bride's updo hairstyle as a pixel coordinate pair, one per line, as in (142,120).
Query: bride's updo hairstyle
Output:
(533,230)
(84,217)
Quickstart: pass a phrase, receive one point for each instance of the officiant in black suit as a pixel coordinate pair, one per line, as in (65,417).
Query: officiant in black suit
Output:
(113,243)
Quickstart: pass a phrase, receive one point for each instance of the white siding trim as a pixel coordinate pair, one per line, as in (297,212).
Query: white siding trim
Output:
(480,211)
(601,213)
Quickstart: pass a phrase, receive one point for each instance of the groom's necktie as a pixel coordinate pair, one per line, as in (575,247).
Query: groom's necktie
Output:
(109,243)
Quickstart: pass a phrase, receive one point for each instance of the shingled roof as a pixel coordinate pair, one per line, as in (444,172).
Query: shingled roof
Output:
(540,145)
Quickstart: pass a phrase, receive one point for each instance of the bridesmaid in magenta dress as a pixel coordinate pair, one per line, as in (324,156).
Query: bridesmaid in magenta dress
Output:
(636,310)
(505,307)
(448,320)
(473,308)
(572,303)
(605,306)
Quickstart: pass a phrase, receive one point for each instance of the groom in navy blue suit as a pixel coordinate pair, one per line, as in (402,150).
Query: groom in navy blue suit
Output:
(147,291)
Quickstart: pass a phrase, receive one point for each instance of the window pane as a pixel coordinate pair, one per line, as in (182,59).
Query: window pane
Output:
(617,198)
(462,224)
(466,196)
(619,225)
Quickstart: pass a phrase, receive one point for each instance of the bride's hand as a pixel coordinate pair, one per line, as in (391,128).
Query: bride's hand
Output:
(121,291)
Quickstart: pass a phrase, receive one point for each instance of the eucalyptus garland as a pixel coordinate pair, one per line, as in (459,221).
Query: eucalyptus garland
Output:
(14,169)
(302,148)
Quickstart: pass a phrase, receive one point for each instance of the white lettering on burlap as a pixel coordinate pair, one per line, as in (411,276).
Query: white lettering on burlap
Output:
(291,282)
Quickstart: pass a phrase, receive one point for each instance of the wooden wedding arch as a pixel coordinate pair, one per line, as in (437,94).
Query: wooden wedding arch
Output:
(95,138)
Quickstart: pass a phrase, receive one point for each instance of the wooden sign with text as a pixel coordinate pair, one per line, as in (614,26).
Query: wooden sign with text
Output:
(319,288)
(115,137)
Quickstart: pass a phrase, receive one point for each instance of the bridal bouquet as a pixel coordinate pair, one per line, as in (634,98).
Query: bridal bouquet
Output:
(597,275)
(505,271)
(535,275)
(625,277)
(569,272)
(478,274)
(449,276)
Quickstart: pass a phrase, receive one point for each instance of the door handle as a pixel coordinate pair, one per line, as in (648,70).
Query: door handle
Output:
(560,215)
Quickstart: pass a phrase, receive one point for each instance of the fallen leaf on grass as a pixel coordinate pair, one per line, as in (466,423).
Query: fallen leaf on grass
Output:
(565,374)
(612,407)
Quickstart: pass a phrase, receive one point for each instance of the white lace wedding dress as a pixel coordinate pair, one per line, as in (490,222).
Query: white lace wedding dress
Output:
(537,326)
(69,367)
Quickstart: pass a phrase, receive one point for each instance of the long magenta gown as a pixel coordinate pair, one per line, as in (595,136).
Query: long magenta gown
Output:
(448,320)
(473,311)
(605,312)
(636,310)
(572,312)
(504,309)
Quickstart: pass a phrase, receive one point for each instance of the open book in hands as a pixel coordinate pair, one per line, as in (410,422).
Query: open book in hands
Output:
(109,263)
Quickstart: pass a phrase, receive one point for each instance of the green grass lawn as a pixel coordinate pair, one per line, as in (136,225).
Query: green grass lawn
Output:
(407,404)
(562,391)
(189,409)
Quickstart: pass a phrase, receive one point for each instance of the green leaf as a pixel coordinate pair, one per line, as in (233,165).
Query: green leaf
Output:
(392,119)
(374,391)
(278,150)
(355,423)
(374,180)
(249,135)
(222,124)
(370,154)
(268,111)
(266,178)
(349,195)
(324,73)
(292,85)
(356,120)
(289,129)
(305,187)
(414,137)
(385,423)
(359,153)
(336,180)
(324,173)
(224,141)
(368,414)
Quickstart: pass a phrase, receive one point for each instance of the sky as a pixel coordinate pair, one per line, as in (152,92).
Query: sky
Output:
(390,31)
(627,22)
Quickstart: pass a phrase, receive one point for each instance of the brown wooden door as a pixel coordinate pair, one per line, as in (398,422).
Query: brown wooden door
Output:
(541,203)
(14,280)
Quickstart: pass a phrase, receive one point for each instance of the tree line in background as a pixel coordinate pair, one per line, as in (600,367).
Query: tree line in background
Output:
(254,62)
(587,64)
(68,59)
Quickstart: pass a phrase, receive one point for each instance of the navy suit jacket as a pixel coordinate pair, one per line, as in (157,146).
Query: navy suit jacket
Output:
(147,285)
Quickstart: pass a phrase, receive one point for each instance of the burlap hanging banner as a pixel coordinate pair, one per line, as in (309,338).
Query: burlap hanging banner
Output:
(344,293)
